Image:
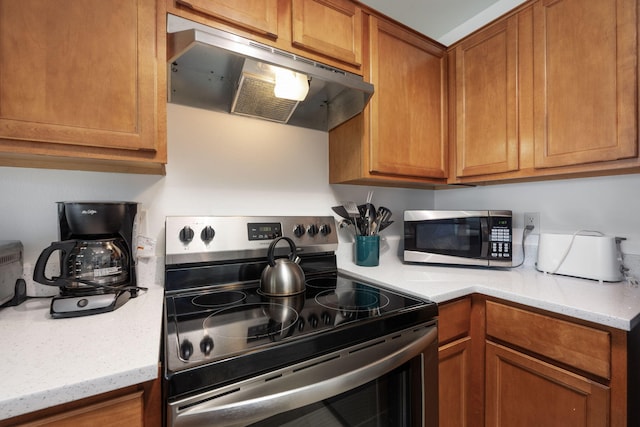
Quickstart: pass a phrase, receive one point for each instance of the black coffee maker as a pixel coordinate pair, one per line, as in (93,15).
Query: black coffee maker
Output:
(97,265)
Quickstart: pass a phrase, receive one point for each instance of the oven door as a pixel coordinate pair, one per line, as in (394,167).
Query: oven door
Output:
(389,381)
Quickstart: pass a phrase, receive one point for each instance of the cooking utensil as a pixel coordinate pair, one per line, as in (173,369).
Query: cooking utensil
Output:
(354,214)
(352,209)
(384,214)
(283,276)
(341,211)
(368,215)
(384,225)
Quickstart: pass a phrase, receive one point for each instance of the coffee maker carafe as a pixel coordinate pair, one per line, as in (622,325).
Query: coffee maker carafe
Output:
(97,268)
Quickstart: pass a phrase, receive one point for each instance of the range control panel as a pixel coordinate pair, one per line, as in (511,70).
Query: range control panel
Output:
(191,239)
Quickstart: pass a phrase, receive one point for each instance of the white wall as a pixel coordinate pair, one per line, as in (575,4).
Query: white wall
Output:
(610,205)
(226,165)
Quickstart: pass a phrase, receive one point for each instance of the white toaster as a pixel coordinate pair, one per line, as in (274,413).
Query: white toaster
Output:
(586,255)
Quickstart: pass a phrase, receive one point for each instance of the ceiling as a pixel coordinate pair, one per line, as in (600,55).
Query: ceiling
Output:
(446,21)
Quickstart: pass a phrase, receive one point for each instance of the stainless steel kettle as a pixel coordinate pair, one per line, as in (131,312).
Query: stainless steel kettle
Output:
(283,276)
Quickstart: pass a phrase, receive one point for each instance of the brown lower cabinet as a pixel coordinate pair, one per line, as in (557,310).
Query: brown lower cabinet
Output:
(525,391)
(134,406)
(505,364)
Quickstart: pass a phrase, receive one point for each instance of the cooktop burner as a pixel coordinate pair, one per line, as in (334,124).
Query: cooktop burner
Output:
(218,299)
(342,295)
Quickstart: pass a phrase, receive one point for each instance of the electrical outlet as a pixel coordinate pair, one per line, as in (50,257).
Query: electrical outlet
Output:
(532,218)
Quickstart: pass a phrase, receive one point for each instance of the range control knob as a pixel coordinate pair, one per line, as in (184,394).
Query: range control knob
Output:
(298,230)
(325,229)
(207,234)
(186,234)
(206,345)
(313,321)
(186,349)
(312,230)
(326,318)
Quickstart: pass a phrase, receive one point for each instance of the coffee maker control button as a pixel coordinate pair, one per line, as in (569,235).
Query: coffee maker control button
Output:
(207,234)
(186,234)
(82,302)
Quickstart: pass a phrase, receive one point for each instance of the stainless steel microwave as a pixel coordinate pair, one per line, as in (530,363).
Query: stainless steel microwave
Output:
(482,238)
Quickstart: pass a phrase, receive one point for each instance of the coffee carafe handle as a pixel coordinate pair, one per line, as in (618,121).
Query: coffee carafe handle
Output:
(38,272)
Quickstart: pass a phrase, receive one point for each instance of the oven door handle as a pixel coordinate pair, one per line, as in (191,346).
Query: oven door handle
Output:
(294,387)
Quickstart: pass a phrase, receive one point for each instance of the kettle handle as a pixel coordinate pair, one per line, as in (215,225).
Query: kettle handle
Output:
(38,271)
(270,254)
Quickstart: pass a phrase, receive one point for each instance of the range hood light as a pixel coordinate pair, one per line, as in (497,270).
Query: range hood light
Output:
(290,85)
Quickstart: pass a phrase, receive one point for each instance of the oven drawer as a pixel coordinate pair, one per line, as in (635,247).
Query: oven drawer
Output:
(581,347)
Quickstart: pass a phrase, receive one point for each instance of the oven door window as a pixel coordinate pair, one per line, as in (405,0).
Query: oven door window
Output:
(455,237)
(391,400)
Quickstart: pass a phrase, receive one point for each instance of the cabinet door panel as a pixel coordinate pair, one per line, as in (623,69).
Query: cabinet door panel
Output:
(408,116)
(454,376)
(486,104)
(582,347)
(526,392)
(126,410)
(260,16)
(585,74)
(329,27)
(81,73)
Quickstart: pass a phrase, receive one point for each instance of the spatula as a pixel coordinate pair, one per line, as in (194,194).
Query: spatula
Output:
(354,213)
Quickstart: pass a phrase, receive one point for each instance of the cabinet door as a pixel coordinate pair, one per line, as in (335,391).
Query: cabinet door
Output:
(79,73)
(260,16)
(526,392)
(408,111)
(126,410)
(486,116)
(585,74)
(329,27)
(454,383)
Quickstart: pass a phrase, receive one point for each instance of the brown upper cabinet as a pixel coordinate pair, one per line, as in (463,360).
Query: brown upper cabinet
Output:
(258,16)
(328,27)
(401,137)
(328,31)
(585,75)
(82,85)
(549,90)
(486,101)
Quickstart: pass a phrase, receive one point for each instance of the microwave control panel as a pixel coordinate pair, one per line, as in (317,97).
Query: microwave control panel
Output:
(500,238)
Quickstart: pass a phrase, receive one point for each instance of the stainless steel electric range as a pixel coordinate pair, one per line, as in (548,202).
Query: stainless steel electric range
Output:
(342,353)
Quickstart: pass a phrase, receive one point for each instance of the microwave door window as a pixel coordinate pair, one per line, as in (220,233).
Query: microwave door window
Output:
(455,237)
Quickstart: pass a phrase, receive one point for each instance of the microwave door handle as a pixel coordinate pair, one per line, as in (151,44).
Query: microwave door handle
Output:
(485,234)
(340,372)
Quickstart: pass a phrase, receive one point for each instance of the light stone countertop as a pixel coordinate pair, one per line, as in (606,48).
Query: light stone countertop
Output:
(611,304)
(47,362)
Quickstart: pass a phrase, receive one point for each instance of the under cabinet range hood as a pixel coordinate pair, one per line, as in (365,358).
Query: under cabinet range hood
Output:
(220,71)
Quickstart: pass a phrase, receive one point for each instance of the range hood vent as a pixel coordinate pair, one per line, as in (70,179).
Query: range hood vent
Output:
(219,71)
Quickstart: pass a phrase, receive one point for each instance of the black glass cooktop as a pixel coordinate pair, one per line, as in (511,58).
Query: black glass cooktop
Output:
(220,334)
(213,324)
